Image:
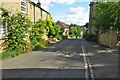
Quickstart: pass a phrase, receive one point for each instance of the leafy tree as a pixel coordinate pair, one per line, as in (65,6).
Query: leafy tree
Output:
(107,16)
(51,27)
(75,30)
(58,34)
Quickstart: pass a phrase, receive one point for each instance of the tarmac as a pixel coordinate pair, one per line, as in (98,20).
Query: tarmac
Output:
(63,59)
(104,60)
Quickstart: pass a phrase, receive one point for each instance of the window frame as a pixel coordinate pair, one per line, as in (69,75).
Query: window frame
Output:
(23,6)
(3,30)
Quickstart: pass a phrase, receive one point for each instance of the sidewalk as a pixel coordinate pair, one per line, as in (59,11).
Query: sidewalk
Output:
(104,60)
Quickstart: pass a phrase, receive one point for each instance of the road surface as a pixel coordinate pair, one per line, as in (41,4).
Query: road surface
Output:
(64,59)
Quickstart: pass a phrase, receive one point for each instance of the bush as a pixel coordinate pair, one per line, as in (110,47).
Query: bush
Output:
(18,32)
(59,37)
(89,37)
(38,31)
(22,36)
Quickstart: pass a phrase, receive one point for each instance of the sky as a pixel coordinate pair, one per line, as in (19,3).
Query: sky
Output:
(68,11)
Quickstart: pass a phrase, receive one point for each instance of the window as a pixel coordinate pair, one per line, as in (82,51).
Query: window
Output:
(23,6)
(3,30)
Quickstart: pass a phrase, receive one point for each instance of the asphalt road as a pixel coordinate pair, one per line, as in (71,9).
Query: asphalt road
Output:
(64,59)
(58,60)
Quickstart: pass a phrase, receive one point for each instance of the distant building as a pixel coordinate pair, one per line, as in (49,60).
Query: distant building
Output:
(64,26)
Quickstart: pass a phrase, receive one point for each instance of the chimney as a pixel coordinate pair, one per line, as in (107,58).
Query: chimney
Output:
(39,4)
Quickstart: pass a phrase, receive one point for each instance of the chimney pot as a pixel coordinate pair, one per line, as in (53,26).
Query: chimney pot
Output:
(39,4)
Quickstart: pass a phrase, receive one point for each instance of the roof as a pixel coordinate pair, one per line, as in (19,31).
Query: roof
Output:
(62,24)
(37,6)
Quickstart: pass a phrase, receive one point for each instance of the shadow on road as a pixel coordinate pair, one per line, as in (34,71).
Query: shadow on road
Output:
(43,73)
(57,60)
(67,56)
(68,46)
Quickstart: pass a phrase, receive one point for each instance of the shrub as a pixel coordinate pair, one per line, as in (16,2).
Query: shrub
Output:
(18,33)
(59,37)
(89,37)
(23,36)
(37,31)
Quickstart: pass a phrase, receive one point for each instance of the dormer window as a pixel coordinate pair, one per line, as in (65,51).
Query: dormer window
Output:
(23,6)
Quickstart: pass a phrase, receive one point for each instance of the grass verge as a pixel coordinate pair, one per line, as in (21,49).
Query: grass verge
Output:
(10,53)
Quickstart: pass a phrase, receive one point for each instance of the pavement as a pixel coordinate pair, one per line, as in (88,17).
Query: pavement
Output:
(63,59)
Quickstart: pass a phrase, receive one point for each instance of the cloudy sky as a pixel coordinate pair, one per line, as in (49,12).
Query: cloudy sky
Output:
(68,11)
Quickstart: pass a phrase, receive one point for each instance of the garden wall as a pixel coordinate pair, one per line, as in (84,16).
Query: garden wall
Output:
(109,38)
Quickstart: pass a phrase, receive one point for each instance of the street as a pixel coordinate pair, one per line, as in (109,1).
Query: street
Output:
(63,60)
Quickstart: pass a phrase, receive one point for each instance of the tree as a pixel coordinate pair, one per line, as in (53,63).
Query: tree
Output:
(75,30)
(107,16)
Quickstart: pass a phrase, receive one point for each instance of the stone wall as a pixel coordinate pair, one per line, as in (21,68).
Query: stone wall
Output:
(37,13)
(44,15)
(34,13)
(14,8)
(109,38)
(30,11)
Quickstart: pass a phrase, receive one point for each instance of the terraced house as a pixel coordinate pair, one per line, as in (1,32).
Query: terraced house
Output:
(27,7)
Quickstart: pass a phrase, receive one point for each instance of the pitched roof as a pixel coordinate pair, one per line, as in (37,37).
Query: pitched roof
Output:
(62,24)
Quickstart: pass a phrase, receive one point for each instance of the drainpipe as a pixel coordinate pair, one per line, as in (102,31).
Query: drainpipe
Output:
(41,13)
(34,13)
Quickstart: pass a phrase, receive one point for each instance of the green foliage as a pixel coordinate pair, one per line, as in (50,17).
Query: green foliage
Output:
(5,13)
(75,31)
(52,29)
(18,32)
(89,37)
(10,53)
(107,16)
(58,34)
(37,31)
(23,36)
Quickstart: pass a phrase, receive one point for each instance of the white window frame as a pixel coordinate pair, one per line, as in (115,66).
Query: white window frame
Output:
(23,5)
(3,30)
